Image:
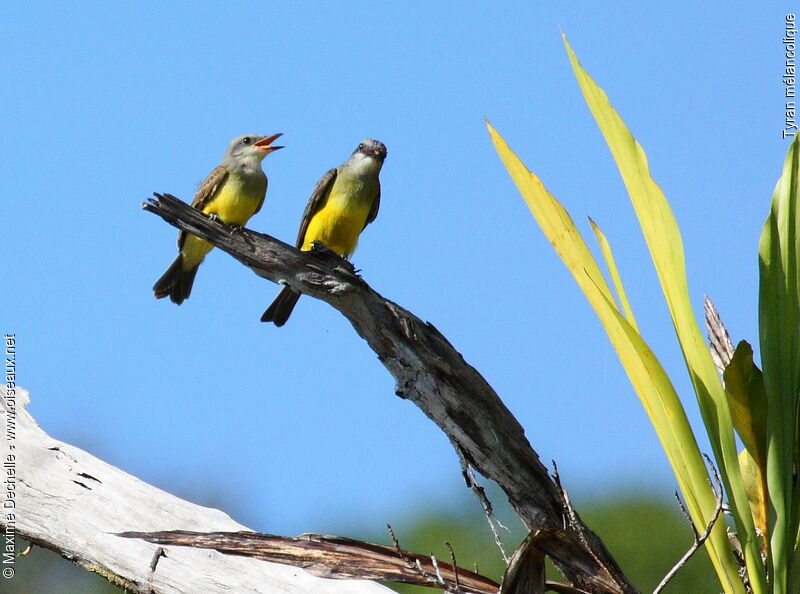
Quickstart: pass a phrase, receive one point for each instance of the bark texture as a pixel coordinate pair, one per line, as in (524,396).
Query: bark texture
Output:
(429,372)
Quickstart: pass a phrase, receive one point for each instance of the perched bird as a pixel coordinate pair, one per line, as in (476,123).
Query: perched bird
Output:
(234,191)
(343,202)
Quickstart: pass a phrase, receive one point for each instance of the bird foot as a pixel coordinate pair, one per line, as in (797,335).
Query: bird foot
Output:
(323,252)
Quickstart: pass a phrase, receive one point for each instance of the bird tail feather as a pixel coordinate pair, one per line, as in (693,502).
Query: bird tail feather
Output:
(175,282)
(280,309)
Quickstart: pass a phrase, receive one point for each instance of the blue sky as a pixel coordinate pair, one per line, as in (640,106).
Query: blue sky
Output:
(298,429)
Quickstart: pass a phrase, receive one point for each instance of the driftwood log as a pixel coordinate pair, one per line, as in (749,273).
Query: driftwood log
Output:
(71,502)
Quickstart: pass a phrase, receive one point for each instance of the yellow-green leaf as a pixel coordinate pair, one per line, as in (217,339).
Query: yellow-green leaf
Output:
(664,242)
(744,386)
(779,334)
(755,484)
(608,256)
(646,374)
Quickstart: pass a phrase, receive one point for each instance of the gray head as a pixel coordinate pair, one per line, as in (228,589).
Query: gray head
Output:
(372,148)
(251,146)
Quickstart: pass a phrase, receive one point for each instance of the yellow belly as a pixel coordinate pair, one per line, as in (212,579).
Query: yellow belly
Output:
(233,206)
(337,225)
(194,250)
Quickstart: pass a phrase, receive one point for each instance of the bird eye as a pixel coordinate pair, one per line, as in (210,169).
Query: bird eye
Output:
(361,146)
(246,140)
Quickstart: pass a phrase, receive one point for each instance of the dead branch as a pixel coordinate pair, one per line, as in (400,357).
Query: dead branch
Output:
(494,524)
(525,573)
(330,557)
(427,370)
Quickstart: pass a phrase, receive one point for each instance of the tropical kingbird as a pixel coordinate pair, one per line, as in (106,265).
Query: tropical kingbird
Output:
(234,191)
(343,202)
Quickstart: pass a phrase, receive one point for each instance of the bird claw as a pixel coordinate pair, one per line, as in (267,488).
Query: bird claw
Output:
(323,252)
(348,267)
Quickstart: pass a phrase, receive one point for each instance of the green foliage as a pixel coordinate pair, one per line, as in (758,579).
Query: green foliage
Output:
(647,536)
(647,375)
(760,482)
(779,329)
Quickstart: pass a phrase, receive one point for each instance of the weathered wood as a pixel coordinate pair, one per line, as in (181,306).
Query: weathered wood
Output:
(427,370)
(68,501)
(333,557)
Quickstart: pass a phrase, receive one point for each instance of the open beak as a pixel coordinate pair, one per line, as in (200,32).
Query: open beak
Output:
(374,151)
(264,143)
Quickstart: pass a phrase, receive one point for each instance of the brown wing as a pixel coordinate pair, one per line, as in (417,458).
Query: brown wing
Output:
(207,190)
(263,196)
(210,186)
(373,212)
(317,200)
